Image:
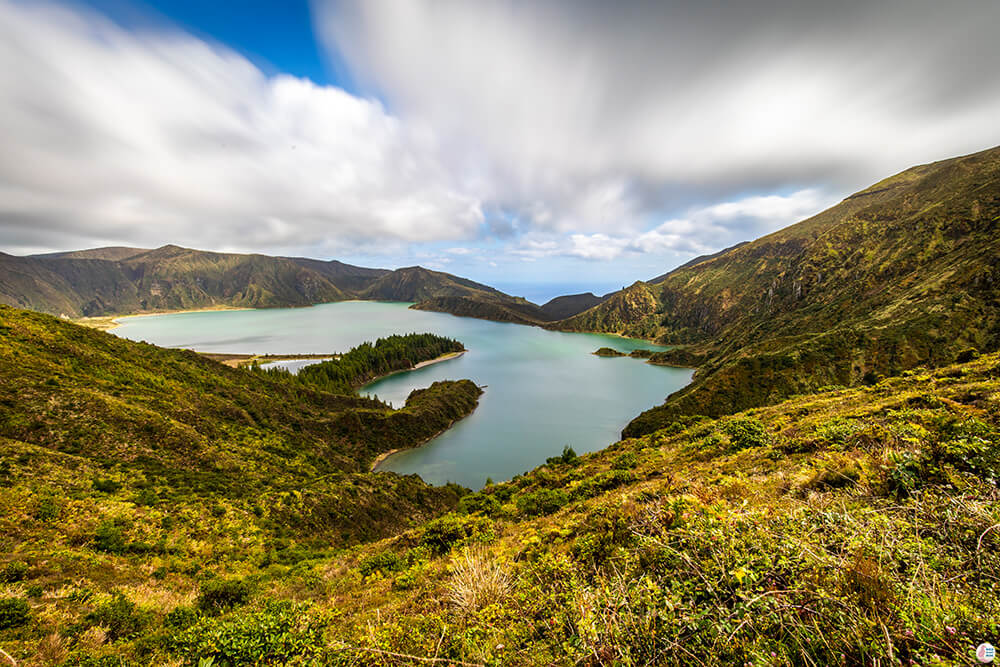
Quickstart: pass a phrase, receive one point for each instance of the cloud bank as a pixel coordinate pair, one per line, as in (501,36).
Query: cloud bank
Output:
(152,137)
(484,133)
(588,117)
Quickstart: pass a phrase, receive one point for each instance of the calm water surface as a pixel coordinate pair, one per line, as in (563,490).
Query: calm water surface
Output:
(544,389)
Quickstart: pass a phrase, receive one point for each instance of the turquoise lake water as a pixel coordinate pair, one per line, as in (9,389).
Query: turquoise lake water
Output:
(544,389)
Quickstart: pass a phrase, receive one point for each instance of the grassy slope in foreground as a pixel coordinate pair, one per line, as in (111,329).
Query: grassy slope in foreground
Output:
(904,273)
(833,529)
(174,426)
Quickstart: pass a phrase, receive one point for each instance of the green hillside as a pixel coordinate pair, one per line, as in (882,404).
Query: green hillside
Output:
(839,528)
(906,272)
(168,278)
(194,428)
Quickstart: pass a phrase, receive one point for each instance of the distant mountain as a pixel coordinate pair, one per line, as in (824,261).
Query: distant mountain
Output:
(415,283)
(904,273)
(500,308)
(106,281)
(167,278)
(562,307)
(350,279)
(120,280)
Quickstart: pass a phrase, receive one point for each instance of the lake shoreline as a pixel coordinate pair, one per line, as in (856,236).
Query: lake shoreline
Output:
(423,364)
(237,360)
(381,458)
(109,322)
(547,391)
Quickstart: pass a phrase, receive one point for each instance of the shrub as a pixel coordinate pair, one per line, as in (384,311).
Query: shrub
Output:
(541,502)
(110,537)
(119,616)
(406,579)
(605,531)
(106,485)
(605,481)
(568,457)
(904,474)
(280,633)
(14,612)
(593,548)
(836,431)
(967,355)
(46,509)
(221,594)
(383,561)
(971,446)
(147,497)
(181,617)
(479,502)
(447,531)
(625,461)
(746,432)
(16,570)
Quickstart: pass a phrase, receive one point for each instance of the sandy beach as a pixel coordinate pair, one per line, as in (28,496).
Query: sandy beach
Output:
(109,322)
(422,364)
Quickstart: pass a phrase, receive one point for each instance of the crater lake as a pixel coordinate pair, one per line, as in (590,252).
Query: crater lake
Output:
(543,389)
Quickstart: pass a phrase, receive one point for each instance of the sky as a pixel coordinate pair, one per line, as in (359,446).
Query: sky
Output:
(542,146)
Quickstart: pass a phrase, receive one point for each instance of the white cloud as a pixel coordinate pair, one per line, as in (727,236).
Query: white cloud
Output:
(589,117)
(157,137)
(591,131)
(776,209)
(701,230)
(595,246)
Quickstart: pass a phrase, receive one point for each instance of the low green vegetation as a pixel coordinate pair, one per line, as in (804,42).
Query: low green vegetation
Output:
(844,527)
(126,469)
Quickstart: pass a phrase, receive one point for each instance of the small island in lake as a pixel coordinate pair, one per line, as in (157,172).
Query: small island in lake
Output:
(608,352)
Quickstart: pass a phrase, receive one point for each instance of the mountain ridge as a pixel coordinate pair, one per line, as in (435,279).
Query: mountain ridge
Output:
(121,281)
